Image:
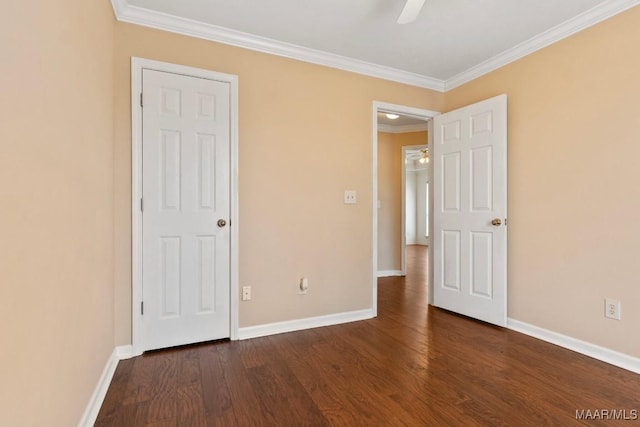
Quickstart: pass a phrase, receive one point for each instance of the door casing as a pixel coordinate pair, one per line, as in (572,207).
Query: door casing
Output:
(137,65)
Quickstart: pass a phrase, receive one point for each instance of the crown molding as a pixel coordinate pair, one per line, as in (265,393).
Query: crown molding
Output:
(419,127)
(124,12)
(580,22)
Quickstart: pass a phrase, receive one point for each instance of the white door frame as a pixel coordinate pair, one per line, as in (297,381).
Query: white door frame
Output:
(427,115)
(403,241)
(137,65)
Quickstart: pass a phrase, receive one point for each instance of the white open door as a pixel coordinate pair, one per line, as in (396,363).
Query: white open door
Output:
(185,219)
(470,210)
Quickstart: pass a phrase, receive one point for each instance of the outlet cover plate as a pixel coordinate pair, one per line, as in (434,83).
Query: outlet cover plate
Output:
(612,308)
(350,197)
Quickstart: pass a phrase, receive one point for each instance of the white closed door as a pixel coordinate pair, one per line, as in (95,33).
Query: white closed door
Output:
(470,210)
(186,208)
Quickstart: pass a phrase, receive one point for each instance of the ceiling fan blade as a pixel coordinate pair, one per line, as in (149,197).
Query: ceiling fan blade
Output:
(410,11)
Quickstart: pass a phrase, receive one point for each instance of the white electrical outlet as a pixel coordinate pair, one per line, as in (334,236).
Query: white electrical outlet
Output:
(350,197)
(246,293)
(612,308)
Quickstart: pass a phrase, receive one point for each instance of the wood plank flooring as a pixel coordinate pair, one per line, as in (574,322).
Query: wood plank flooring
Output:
(413,365)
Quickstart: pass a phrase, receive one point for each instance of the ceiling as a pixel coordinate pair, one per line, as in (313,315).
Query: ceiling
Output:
(452,41)
(401,121)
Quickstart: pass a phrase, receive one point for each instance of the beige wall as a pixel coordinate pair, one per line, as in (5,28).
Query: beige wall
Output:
(390,195)
(573,178)
(390,198)
(56,220)
(305,137)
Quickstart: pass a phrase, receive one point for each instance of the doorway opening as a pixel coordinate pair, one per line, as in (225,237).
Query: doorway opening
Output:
(392,125)
(415,199)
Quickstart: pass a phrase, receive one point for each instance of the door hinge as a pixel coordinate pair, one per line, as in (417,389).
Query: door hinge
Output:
(141,99)
(141,308)
(141,204)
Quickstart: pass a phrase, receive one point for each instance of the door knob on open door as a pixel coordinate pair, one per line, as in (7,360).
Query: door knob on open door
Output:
(496,222)
(222,223)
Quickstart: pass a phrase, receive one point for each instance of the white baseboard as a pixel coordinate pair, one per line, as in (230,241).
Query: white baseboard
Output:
(126,352)
(97,398)
(389,273)
(612,357)
(301,324)
(95,403)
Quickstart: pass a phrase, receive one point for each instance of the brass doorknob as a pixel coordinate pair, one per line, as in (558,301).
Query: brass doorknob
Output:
(222,223)
(496,221)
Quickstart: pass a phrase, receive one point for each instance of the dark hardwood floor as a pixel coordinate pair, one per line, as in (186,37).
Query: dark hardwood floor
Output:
(413,365)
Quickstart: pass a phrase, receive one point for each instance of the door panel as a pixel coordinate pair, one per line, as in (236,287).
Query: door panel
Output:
(470,191)
(451,259)
(186,154)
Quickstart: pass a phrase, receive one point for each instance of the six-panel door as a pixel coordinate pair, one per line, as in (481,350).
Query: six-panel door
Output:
(186,153)
(470,197)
